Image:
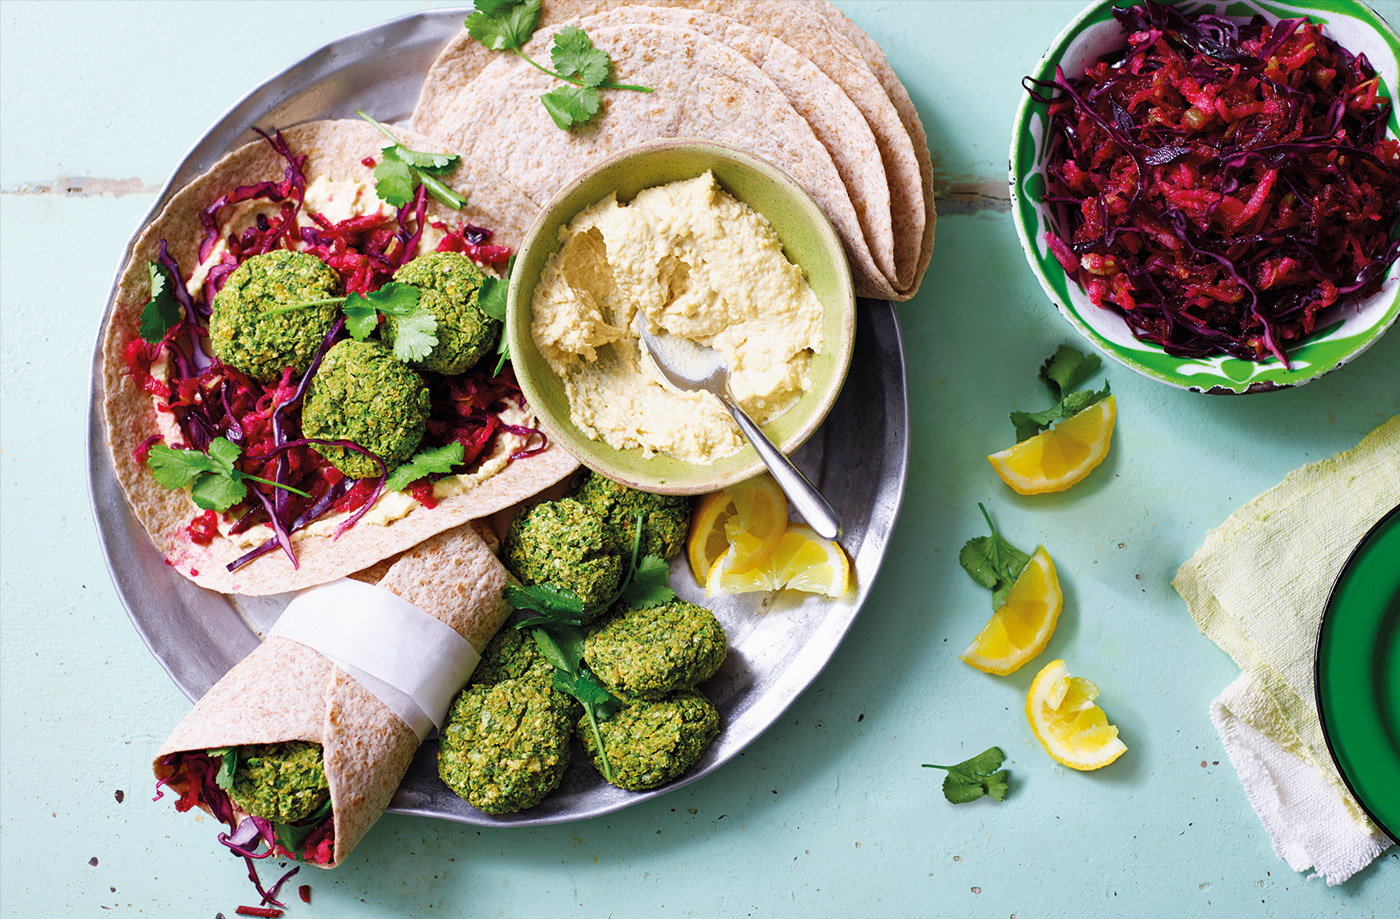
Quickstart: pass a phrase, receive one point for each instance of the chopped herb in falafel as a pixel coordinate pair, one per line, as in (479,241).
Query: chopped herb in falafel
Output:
(363,394)
(263,346)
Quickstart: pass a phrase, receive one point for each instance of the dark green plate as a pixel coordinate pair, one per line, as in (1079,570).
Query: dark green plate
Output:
(1358,673)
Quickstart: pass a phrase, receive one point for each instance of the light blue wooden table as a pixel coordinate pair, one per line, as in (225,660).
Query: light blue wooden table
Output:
(829,812)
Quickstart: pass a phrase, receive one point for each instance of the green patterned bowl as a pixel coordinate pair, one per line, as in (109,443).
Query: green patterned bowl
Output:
(809,241)
(1342,332)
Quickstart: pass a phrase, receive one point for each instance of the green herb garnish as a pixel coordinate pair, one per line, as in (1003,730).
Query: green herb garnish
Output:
(401,171)
(292,836)
(415,333)
(974,778)
(505,25)
(432,461)
(992,561)
(162,311)
(214,482)
(562,646)
(1062,372)
(228,765)
(491,300)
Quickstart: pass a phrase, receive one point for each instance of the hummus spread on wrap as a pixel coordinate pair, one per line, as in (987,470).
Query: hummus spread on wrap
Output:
(701,265)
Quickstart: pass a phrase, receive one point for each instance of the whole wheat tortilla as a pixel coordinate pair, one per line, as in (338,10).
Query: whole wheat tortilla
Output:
(286,691)
(807,32)
(908,116)
(702,88)
(334,148)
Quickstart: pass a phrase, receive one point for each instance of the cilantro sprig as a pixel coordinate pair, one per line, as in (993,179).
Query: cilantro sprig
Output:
(430,461)
(415,332)
(491,300)
(557,629)
(505,25)
(214,482)
(979,776)
(162,311)
(992,561)
(401,170)
(1062,372)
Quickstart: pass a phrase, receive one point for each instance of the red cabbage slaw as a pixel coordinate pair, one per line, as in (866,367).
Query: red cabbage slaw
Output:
(208,399)
(1218,184)
(194,779)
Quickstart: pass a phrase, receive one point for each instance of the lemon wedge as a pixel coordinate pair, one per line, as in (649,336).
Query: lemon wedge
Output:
(749,517)
(1063,717)
(1054,460)
(801,561)
(1021,627)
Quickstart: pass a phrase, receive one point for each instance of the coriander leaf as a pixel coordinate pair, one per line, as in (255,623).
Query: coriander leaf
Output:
(394,179)
(974,778)
(436,163)
(176,468)
(162,311)
(491,298)
(649,586)
(571,105)
(1066,369)
(228,765)
(395,298)
(415,335)
(551,650)
(223,453)
(503,25)
(292,836)
(992,561)
(361,318)
(556,603)
(431,461)
(216,492)
(574,56)
(585,688)
(1029,424)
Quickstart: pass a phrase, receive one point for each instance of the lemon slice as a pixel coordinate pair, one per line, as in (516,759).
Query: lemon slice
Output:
(802,561)
(707,540)
(1054,460)
(1064,718)
(750,517)
(1021,627)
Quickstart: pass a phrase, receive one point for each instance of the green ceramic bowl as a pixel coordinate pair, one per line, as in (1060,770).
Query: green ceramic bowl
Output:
(1342,332)
(808,241)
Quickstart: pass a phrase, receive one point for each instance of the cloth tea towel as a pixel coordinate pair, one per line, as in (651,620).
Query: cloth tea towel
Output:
(1257,588)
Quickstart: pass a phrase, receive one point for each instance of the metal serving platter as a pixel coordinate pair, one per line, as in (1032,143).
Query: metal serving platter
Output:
(778,644)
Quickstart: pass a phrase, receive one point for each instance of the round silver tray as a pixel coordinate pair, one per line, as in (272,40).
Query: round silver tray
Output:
(778,644)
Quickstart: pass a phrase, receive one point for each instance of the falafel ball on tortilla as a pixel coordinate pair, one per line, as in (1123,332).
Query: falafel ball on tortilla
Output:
(282,782)
(247,335)
(448,285)
(365,395)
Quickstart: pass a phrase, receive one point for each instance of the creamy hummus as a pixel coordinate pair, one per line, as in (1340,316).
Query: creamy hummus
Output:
(700,265)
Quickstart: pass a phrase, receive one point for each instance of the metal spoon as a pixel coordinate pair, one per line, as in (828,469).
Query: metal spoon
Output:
(690,366)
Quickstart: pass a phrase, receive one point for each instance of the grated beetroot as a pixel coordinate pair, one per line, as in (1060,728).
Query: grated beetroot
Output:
(204,528)
(1219,184)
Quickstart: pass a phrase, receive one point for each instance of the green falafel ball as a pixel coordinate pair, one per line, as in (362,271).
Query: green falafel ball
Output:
(448,283)
(648,653)
(504,746)
(282,782)
(652,743)
(565,545)
(363,394)
(665,520)
(513,655)
(263,346)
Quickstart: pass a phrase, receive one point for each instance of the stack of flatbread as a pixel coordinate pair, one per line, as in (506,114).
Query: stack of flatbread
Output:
(795,83)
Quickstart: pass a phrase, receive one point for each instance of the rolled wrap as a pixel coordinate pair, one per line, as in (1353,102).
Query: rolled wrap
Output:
(285,691)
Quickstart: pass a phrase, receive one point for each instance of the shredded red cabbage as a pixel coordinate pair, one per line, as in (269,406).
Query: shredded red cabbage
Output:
(1218,184)
(209,400)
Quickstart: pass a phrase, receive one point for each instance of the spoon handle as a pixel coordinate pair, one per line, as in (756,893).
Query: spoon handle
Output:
(811,506)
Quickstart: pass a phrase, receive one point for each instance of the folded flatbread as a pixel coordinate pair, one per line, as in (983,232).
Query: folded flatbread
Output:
(284,691)
(335,149)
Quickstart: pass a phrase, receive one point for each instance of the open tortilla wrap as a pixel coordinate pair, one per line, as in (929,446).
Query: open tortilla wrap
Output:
(285,691)
(335,149)
(858,117)
(702,88)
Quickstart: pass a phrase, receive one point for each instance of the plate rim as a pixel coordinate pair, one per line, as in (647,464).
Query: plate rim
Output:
(1389,518)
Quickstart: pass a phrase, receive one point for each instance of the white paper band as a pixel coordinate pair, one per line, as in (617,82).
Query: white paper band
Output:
(413,663)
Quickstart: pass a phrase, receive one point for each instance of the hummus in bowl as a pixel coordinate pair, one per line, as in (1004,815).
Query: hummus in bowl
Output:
(709,244)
